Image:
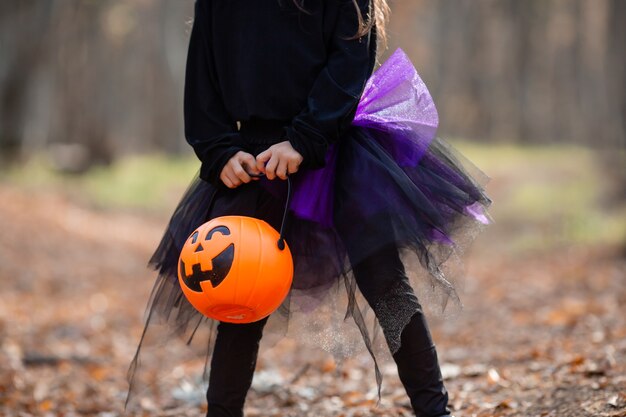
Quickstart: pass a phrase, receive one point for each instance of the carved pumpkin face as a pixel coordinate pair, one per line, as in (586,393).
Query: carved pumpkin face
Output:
(231,269)
(199,264)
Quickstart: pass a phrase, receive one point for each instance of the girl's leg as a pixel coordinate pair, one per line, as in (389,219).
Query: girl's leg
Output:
(237,345)
(232,367)
(419,371)
(381,278)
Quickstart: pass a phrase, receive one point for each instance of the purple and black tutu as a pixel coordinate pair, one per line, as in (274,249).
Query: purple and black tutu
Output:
(389,181)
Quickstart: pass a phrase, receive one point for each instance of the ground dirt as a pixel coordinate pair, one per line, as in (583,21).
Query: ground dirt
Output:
(543,333)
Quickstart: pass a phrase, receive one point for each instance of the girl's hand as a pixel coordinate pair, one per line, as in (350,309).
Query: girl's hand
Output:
(279,160)
(238,170)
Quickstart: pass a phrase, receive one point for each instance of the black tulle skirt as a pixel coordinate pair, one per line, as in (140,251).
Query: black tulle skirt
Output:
(430,208)
(430,212)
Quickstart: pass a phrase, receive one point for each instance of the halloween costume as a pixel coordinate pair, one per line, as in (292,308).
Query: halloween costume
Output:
(379,206)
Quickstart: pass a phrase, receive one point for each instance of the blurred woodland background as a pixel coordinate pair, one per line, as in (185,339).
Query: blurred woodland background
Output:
(108,75)
(93,160)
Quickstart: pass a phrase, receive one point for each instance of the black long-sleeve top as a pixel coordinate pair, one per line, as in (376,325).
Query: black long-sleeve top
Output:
(283,74)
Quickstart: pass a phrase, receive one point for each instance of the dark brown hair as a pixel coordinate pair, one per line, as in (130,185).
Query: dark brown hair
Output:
(380,10)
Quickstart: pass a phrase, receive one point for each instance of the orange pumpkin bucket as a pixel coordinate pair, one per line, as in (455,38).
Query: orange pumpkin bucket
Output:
(231,269)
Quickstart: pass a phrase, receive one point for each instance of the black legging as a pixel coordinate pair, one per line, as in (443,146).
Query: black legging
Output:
(237,345)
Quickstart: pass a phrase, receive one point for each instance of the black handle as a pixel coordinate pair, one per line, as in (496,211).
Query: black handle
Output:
(281,237)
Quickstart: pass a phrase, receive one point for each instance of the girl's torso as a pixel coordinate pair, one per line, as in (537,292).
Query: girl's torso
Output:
(266,54)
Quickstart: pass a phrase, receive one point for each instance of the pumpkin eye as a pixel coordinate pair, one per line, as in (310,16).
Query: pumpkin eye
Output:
(194,237)
(221,229)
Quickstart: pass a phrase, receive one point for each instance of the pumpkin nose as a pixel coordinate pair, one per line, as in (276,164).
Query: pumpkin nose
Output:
(221,265)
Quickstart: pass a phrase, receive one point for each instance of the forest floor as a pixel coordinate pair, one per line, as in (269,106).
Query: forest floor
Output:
(543,331)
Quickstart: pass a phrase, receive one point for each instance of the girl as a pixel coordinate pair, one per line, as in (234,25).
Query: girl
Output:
(275,88)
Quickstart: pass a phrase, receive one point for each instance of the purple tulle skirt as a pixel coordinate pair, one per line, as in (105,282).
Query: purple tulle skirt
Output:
(389,181)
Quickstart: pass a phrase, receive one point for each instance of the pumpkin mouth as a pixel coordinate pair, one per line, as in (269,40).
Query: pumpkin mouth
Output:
(221,265)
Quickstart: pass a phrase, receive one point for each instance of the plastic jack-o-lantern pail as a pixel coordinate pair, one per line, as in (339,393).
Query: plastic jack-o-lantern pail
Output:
(231,269)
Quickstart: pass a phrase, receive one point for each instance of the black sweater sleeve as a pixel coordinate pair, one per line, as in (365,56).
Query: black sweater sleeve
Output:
(208,127)
(333,99)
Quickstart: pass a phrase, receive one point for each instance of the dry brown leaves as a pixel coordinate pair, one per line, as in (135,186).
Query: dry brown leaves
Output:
(542,334)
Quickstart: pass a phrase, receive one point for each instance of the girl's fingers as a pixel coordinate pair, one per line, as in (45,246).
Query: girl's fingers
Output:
(236,181)
(270,168)
(262,158)
(278,162)
(249,163)
(240,172)
(293,166)
(225,180)
(232,178)
(281,169)
(229,182)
